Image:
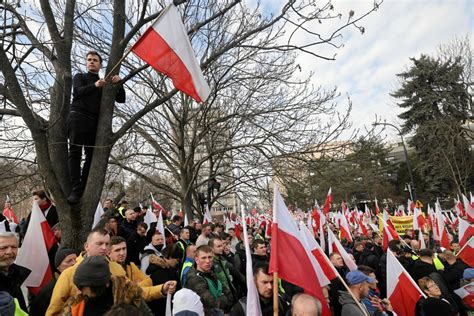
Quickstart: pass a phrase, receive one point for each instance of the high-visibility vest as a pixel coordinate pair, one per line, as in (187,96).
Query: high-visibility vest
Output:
(187,264)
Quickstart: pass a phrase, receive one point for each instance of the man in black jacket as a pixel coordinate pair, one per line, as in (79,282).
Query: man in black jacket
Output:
(12,276)
(82,120)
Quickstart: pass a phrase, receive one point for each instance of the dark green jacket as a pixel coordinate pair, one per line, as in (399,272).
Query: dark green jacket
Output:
(199,283)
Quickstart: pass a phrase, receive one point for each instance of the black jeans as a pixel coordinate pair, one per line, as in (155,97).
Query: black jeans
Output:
(77,141)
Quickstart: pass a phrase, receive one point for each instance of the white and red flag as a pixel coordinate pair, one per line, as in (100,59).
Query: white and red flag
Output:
(328,201)
(388,233)
(440,228)
(402,291)
(253,300)
(289,257)
(155,205)
(99,211)
(335,246)
(421,240)
(458,208)
(467,252)
(325,270)
(345,229)
(166,47)
(377,209)
(468,207)
(149,218)
(465,231)
(419,220)
(466,293)
(207,216)
(33,254)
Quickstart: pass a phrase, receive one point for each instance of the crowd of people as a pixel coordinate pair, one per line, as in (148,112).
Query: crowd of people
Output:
(128,267)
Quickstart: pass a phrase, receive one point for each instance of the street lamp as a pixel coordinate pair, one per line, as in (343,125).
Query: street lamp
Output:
(411,185)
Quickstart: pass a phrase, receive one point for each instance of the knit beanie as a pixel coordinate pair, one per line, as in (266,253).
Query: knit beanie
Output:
(61,254)
(92,271)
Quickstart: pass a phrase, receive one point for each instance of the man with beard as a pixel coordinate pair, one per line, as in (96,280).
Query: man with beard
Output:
(98,290)
(264,283)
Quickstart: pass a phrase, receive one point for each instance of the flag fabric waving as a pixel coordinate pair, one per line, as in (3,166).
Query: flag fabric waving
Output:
(335,246)
(166,47)
(465,231)
(33,254)
(289,257)
(253,300)
(99,211)
(402,291)
(327,202)
(467,252)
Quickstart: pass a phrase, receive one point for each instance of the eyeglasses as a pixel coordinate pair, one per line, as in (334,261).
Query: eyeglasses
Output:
(432,285)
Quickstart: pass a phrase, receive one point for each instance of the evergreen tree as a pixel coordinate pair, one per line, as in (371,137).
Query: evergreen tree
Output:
(437,105)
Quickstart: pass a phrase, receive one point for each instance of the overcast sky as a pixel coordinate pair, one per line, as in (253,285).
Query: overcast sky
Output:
(366,66)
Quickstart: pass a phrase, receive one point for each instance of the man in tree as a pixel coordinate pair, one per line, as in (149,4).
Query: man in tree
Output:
(82,120)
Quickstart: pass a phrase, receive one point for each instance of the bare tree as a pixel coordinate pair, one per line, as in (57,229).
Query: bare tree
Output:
(40,45)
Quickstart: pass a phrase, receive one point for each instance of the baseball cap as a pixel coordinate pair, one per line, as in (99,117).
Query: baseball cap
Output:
(357,277)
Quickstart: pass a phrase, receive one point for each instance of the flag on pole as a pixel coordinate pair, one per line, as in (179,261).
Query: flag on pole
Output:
(253,301)
(327,202)
(465,231)
(345,229)
(207,216)
(33,254)
(149,218)
(466,293)
(388,233)
(468,207)
(289,258)
(186,222)
(335,246)
(166,47)
(99,211)
(402,291)
(155,205)
(421,240)
(467,252)
(418,219)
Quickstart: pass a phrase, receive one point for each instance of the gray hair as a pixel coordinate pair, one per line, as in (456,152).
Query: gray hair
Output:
(306,299)
(7,235)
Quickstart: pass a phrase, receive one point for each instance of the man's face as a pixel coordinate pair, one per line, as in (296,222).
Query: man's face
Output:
(191,251)
(360,248)
(39,200)
(131,215)
(108,204)
(69,261)
(232,233)
(204,261)
(141,231)
(337,261)
(185,234)
(261,250)
(303,308)
(157,240)
(58,233)
(8,251)
(198,226)
(207,231)
(93,63)
(364,289)
(97,245)
(218,247)
(264,283)
(378,240)
(455,247)
(118,252)
(113,223)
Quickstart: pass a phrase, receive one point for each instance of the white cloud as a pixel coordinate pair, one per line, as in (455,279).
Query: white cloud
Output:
(366,67)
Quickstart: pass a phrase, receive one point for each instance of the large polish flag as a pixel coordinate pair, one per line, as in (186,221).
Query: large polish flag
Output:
(325,270)
(467,252)
(465,231)
(33,254)
(335,246)
(402,291)
(253,300)
(166,47)
(289,257)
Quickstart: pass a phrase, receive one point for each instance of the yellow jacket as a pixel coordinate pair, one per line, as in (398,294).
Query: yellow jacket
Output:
(65,288)
(149,291)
